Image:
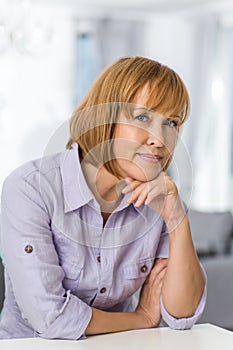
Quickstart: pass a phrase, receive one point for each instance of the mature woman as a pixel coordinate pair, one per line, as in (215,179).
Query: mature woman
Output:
(83,230)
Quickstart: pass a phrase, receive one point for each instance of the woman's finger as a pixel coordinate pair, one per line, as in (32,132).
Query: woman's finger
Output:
(155,192)
(155,279)
(159,265)
(157,270)
(136,193)
(131,187)
(142,197)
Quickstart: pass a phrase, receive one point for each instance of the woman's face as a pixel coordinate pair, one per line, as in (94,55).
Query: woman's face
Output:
(144,143)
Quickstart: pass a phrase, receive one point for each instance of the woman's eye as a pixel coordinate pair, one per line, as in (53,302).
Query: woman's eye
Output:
(142,118)
(171,123)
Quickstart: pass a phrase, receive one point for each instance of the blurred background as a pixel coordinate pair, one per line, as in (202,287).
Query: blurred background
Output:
(52,50)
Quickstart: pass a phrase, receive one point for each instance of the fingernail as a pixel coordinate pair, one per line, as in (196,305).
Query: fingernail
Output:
(128,180)
(123,191)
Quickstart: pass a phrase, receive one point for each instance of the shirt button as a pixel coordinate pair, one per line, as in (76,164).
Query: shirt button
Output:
(99,259)
(28,248)
(144,268)
(103,290)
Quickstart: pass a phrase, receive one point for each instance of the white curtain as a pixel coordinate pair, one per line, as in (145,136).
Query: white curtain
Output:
(211,119)
(197,47)
(99,43)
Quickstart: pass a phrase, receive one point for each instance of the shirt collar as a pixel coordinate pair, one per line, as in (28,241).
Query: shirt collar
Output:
(75,189)
(142,210)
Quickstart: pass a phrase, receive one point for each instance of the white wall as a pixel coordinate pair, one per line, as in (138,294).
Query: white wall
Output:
(168,40)
(193,46)
(36,90)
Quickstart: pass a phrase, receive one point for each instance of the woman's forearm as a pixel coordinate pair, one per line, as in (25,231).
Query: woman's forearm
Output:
(184,281)
(110,322)
(147,313)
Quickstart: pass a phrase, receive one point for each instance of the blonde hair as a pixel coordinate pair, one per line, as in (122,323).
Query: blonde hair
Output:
(94,120)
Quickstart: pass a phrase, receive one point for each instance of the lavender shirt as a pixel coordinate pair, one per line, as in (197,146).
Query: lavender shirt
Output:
(60,261)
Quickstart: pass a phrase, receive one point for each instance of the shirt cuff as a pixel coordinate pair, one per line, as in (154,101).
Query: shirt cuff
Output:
(185,323)
(72,322)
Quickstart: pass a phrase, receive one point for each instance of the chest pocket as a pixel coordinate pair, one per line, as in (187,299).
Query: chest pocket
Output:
(137,271)
(73,274)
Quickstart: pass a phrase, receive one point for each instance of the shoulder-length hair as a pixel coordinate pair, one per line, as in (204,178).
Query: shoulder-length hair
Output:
(94,121)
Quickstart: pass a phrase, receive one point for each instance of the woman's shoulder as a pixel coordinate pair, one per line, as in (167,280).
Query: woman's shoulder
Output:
(32,170)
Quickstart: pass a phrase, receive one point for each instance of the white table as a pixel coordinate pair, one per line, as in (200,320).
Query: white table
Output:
(200,337)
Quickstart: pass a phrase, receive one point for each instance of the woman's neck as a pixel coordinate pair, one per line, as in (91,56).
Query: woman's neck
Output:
(105,186)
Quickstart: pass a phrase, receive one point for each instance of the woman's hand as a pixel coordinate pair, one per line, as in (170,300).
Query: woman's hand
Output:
(160,194)
(149,302)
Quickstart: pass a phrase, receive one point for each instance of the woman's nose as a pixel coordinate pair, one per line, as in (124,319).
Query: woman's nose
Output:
(155,140)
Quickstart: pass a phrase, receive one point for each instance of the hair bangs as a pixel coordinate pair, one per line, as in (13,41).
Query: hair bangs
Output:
(168,95)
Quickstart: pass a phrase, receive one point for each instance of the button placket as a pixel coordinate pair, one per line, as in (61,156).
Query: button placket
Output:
(103,289)
(105,276)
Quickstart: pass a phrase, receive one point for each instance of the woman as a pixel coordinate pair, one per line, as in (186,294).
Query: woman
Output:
(83,230)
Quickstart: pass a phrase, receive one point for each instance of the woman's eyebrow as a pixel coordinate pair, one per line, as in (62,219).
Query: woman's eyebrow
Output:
(141,109)
(174,116)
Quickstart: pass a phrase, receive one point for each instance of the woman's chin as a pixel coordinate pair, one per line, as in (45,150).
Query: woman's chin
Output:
(145,175)
(137,171)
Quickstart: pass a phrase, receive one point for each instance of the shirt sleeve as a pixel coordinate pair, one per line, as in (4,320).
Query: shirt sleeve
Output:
(32,263)
(185,323)
(163,246)
(181,323)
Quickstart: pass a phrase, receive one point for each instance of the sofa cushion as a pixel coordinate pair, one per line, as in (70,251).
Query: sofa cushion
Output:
(211,232)
(1,285)
(219,306)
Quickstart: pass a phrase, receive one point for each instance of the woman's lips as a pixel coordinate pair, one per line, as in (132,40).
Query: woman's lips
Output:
(148,157)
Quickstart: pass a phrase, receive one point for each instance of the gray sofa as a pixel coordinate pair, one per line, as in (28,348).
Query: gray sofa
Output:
(1,285)
(213,237)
